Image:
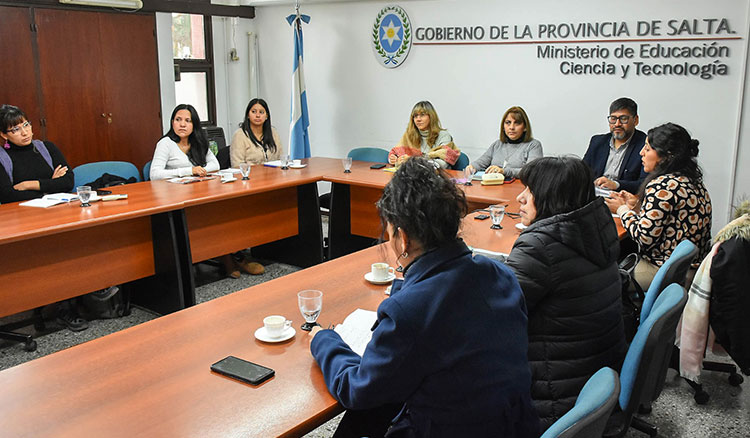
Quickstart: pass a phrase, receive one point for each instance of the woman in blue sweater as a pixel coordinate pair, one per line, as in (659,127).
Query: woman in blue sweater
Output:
(448,353)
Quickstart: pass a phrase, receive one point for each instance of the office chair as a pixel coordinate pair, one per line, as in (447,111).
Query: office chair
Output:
(462,162)
(28,340)
(147,171)
(216,133)
(592,409)
(655,334)
(90,172)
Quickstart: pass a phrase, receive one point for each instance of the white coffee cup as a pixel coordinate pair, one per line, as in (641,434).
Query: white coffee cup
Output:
(296,163)
(276,325)
(381,271)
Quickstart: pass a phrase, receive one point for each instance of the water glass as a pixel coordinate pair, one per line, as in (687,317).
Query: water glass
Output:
(285,162)
(310,304)
(245,171)
(468,174)
(347,163)
(84,194)
(497,212)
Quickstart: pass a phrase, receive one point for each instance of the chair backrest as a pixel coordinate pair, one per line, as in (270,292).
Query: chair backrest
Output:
(462,162)
(216,134)
(594,404)
(673,270)
(90,172)
(655,334)
(147,171)
(223,158)
(376,155)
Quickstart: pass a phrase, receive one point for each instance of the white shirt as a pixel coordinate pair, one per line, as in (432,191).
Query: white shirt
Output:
(169,161)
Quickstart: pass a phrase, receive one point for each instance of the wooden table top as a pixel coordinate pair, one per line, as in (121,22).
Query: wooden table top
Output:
(154,379)
(148,198)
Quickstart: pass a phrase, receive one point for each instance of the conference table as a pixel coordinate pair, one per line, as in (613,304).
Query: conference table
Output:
(156,234)
(154,379)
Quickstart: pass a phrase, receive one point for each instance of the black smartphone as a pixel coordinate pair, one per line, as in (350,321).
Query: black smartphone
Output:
(243,370)
(481,217)
(101,192)
(377,166)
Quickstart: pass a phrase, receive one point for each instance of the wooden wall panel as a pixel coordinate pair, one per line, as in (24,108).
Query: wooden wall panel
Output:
(18,83)
(71,74)
(131,75)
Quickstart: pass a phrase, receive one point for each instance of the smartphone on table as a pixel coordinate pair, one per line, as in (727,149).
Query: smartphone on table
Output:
(243,370)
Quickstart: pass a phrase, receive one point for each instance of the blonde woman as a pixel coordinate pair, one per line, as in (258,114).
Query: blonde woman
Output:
(425,136)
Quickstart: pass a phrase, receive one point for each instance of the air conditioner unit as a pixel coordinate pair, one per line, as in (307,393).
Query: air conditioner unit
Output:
(127,4)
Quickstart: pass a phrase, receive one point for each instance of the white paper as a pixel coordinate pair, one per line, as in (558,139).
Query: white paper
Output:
(356,330)
(604,193)
(499,256)
(275,163)
(64,197)
(41,203)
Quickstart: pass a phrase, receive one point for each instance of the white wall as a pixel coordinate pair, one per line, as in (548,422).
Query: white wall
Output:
(355,102)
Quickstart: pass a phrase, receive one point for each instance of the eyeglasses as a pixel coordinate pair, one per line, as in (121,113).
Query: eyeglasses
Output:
(623,119)
(17,129)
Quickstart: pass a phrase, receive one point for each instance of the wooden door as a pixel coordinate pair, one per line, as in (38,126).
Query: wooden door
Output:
(18,78)
(130,67)
(70,64)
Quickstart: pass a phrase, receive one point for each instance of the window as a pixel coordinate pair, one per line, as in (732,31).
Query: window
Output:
(193,61)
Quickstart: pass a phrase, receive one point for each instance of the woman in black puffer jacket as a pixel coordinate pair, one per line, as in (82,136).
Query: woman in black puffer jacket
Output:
(566,263)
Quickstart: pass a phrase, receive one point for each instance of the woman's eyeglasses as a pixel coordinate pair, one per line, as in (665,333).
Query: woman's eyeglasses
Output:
(17,129)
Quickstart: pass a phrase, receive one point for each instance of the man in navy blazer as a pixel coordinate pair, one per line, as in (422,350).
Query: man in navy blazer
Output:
(615,157)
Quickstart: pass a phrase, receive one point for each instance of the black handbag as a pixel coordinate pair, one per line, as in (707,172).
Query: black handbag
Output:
(632,296)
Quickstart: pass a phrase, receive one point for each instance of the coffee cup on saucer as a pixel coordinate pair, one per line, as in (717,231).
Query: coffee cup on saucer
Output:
(275,325)
(381,271)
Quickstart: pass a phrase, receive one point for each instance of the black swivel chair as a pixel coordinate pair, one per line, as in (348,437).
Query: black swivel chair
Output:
(215,133)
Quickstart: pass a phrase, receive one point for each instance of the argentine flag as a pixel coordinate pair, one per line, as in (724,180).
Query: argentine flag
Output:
(299,140)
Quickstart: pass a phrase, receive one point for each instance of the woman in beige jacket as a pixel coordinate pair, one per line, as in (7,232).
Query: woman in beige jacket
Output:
(256,141)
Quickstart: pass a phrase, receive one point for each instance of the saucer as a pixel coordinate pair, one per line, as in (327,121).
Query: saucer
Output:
(262,335)
(298,166)
(521,226)
(387,280)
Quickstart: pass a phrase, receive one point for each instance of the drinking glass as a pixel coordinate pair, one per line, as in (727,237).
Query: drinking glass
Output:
(310,304)
(84,194)
(285,162)
(468,174)
(245,171)
(497,212)
(347,163)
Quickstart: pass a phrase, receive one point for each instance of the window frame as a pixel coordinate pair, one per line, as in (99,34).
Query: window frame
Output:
(203,66)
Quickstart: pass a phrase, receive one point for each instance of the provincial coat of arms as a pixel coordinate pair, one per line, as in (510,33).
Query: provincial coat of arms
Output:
(391,36)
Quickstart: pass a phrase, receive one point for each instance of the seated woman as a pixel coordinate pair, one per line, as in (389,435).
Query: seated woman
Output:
(671,205)
(447,356)
(183,150)
(425,136)
(30,169)
(256,141)
(566,263)
(516,147)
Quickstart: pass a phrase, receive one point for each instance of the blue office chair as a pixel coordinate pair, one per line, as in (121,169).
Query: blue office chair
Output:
(462,162)
(656,333)
(594,404)
(375,155)
(90,172)
(147,171)
(673,270)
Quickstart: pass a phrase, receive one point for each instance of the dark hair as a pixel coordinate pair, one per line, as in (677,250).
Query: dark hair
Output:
(424,202)
(197,140)
(518,113)
(10,116)
(268,143)
(677,152)
(559,184)
(624,103)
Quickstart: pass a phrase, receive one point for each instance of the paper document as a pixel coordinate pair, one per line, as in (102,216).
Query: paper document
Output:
(189,179)
(356,330)
(598,191)
(499,256)
(50,200)
(275,163)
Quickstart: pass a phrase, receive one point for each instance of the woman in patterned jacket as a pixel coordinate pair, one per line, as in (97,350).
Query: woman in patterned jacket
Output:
(672,204)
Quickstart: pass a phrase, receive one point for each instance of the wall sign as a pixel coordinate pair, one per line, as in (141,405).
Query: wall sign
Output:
(391,36)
